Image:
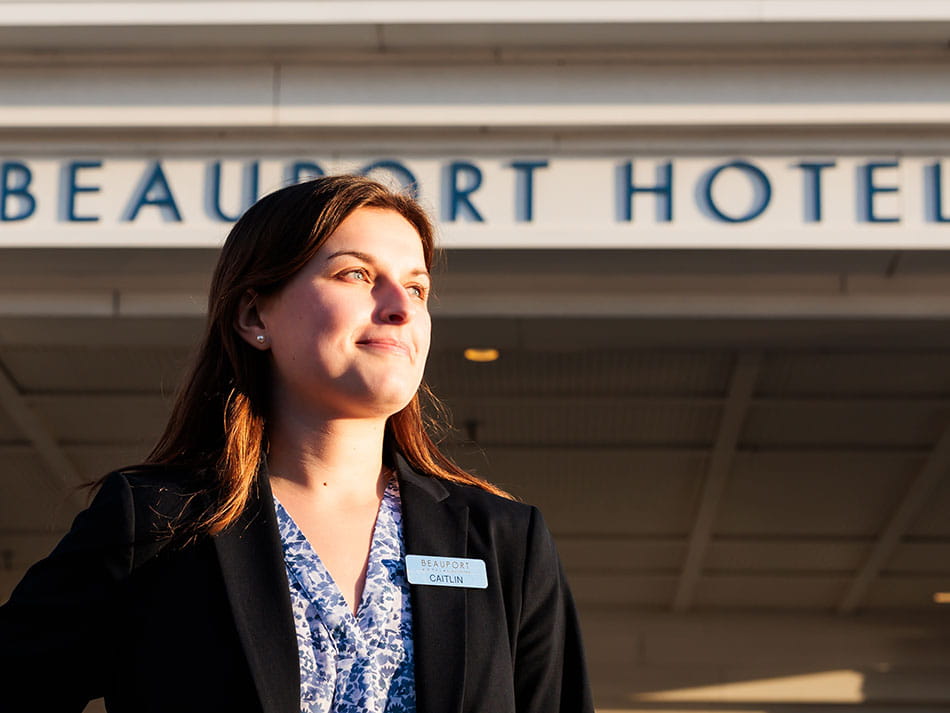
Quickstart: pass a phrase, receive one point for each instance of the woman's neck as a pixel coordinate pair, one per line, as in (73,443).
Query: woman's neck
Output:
(337,461)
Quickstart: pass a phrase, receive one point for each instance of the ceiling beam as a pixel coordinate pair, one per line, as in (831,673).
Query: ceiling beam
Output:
(924,483)
(739,397)
(60,471)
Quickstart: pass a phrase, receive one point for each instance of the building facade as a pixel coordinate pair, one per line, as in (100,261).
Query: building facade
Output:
(708,239)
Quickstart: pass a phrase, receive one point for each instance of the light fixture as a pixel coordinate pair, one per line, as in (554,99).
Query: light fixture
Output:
(481,354)
(942,597)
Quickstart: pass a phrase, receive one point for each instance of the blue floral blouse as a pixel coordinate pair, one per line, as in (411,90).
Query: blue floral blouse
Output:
(361,664)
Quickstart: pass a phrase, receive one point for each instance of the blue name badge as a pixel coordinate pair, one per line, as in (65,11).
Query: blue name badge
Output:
(446,571)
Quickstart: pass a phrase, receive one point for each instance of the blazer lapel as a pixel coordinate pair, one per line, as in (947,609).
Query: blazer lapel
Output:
(252,563)
(434,525)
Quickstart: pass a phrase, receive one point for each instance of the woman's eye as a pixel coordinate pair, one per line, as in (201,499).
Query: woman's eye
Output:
(356,273)
(416,291)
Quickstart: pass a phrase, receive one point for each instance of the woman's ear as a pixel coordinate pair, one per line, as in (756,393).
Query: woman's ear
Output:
(248,322)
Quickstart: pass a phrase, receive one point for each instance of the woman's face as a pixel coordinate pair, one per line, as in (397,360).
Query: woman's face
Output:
(349,334)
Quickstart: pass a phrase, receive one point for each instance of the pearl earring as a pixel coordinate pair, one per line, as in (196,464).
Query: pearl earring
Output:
(261,338)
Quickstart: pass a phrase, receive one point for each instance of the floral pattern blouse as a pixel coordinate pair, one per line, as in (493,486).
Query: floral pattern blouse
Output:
(361,664)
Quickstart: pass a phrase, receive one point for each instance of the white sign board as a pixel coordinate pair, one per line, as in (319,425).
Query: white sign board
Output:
(892,202)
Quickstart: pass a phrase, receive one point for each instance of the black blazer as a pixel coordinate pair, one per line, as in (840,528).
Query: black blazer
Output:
(156,626)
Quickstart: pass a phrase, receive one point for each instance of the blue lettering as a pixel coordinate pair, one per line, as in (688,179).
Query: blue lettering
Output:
(303,170)
(15,179)
(663,189)
(871,189)
(760,184)
(812,190)
(69,189)
(249,182)
(405,177)
(154,190)
(458,199)
(524,188)
(933,190)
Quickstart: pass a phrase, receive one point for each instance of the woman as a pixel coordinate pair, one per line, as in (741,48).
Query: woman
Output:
(296,542)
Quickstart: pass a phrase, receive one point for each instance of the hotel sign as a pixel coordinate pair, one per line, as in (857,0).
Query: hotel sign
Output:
(890,201)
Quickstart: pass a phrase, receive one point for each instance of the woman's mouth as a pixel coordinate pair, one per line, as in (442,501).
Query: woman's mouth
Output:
(392,346)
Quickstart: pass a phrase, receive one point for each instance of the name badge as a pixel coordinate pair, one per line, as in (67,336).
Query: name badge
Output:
(446,571)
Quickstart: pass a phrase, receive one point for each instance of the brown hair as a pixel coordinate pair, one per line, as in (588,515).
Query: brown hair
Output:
(219,420)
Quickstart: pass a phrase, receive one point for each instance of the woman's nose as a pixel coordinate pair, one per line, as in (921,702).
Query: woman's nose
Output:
(395,305)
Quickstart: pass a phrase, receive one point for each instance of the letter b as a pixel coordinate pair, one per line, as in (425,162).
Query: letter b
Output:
(15,179)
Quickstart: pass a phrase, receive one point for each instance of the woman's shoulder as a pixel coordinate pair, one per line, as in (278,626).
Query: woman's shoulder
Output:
(153,479)
(158,480)
(508,517)
(159,497)
(487,511)
(481,499)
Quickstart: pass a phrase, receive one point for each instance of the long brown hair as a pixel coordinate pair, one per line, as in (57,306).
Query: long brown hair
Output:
(218,425)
